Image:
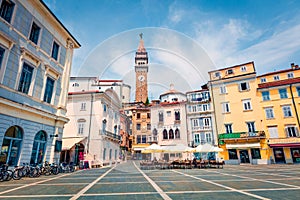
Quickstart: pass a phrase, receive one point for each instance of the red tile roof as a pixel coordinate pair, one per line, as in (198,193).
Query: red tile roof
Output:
(110,80)
(84,92)
(171,103)
(278,72)
(279,83)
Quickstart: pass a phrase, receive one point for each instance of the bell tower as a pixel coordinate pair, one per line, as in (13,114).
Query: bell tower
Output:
(141,71)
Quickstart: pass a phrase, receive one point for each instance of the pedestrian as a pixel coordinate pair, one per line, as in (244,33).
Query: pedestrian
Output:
(195,162)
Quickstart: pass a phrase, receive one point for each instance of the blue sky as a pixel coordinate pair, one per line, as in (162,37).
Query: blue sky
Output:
(180,36)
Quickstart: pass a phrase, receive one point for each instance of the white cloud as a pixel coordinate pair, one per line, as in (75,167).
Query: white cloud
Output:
(238,41)
(173,58)
(176,16)
(274,50)
(223,40)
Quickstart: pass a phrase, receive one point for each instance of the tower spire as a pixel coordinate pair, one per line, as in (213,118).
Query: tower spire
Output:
(141,47)
(141,70)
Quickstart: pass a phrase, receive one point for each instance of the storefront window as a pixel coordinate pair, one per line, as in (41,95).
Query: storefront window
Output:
(232,154)
(295,154)
(38,149)
(255,154)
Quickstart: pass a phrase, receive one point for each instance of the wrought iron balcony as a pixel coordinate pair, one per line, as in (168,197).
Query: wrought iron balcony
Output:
(201,128)
(111,135)
(241,135)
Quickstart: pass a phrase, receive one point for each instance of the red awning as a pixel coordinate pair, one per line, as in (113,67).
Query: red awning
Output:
(285,145)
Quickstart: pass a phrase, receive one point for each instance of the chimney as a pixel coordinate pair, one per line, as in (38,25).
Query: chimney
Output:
(293,65)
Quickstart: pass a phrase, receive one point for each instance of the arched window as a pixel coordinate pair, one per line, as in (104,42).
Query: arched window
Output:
(171,134)
(11,145)
(177,133)
(177,115)
(154,132)
(160,116)
(104,154)
(104,126)
(110,154)
(38,148)
(165,134)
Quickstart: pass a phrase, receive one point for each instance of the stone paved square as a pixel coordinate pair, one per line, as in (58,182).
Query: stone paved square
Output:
(128,181)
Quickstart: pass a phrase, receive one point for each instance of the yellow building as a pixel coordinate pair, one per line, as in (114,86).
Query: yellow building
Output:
(238,116)
(141,131)
(279,96)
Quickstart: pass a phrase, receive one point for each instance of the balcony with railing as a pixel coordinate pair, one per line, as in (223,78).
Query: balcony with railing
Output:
(201,128)
(110,135)
(241,135)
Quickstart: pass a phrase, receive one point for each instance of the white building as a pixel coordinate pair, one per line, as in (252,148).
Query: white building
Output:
(93,83)
(168,121)
(200,117)
(36,52)
(93,133)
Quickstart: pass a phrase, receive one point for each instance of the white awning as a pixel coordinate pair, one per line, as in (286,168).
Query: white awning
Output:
(242,145)
(68,143)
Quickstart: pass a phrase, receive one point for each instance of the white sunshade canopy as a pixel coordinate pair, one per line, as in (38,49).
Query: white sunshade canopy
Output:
(179,148)
(153,148)
(205,148)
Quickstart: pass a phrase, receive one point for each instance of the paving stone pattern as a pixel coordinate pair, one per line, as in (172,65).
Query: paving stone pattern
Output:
(128,181)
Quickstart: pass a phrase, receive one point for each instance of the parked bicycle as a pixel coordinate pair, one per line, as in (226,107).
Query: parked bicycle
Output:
(5,173)
(66,168)
(25,170)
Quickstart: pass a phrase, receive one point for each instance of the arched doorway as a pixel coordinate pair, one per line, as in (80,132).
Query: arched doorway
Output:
(38,148)
(11,146)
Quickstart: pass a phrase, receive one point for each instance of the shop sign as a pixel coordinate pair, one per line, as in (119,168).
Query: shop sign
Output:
(250,134)
(284,140)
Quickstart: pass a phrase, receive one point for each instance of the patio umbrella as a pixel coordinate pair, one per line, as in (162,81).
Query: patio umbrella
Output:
(153,148)
(217,149)
(205,148)
(178,148)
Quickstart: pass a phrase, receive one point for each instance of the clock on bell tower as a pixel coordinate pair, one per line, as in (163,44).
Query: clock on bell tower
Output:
(141,71)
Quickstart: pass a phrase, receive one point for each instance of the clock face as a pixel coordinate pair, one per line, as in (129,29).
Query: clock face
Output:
(141,78)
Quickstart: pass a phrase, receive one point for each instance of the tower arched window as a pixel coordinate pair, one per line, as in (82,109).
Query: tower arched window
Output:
(177,133)
(171,134)
(165,134)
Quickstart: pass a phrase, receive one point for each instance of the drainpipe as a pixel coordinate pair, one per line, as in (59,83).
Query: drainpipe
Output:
(90,125)
(294,104)
(214,112)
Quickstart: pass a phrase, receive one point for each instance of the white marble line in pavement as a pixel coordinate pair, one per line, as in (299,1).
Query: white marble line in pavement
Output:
(223,186)
(81,192)
(260,180)
(264,173)
(35,183)
(154,185)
